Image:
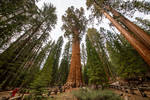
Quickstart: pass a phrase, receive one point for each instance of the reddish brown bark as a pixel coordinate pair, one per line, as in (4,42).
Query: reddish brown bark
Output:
(75,76)
(141,34)
(142,49)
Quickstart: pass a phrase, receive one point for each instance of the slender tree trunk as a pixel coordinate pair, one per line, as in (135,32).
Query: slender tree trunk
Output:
(141,34)
(75,76)
(16,43)
(29,57)
(27,40)
(142,49)
(9,19)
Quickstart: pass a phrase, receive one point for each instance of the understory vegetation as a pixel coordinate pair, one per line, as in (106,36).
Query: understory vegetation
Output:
(87,94)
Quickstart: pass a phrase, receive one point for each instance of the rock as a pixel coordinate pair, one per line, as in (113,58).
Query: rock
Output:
(52,93)
(121,94)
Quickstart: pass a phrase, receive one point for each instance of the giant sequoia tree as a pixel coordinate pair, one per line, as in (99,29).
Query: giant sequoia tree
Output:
(103,7)
(74,24)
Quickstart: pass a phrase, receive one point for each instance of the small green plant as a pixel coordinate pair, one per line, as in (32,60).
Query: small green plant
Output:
(34,97)
(84,94)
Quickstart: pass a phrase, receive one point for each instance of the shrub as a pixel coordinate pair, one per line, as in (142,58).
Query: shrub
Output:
(31,97)
(83,94)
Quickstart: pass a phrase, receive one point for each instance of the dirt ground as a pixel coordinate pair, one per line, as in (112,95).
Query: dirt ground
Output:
(127,96)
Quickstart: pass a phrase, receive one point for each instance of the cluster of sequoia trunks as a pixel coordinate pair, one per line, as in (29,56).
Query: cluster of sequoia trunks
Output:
(141,40)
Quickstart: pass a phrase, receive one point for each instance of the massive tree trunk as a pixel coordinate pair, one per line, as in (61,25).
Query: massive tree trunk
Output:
(141,34)
(142,49)
(75,76)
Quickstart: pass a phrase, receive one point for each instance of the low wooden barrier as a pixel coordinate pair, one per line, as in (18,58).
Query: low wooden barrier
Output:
(15,98)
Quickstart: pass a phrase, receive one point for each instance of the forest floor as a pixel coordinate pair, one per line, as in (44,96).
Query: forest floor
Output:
(68,95)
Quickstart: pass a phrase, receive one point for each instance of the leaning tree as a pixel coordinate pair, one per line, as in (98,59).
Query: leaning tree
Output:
(74,24)
(104,7)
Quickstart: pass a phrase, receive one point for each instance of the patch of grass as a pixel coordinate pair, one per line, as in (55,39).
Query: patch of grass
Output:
(86,94)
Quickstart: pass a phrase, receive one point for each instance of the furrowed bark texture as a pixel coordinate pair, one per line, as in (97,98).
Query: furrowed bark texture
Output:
(75,76)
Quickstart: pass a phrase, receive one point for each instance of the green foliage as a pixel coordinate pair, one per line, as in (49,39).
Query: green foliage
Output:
(128,7)
(64,65)
(21,57)
(35,70)
(56,57)
(74,20)
(48,74)
(43,79)
(84,68)
(96,7)
(83,94)
(48,16)
(85,75)
(143,23)
(135,5)
(95,69)
(126,61)
(98,42)
(14,16)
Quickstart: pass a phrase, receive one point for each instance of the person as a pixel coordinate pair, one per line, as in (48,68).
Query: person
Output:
(14,92)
